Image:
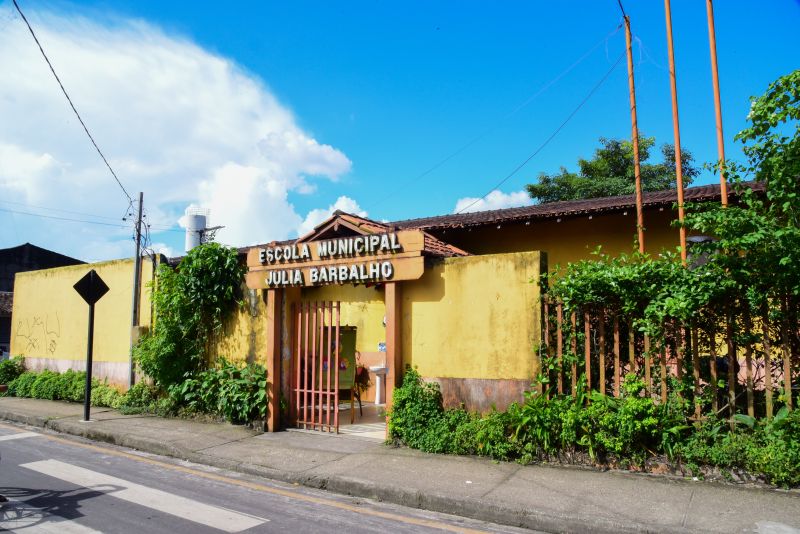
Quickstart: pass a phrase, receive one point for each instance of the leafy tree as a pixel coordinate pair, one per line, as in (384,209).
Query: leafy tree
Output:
(610,173)
(759,236)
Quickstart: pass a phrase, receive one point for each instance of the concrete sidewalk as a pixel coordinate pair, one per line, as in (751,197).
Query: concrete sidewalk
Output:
(543,498)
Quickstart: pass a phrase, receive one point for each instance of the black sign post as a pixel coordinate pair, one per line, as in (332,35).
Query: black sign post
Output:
(92,288)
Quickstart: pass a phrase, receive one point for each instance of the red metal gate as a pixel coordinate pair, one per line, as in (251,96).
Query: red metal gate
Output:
(315,399)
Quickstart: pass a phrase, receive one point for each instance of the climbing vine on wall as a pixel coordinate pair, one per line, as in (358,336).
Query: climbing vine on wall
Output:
(191,303)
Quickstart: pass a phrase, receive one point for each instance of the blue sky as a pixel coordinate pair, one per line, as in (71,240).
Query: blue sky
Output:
(394,88)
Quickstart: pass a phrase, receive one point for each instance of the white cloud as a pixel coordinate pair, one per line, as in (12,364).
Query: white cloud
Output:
(175,120)
(494,201)
(317,216)
(162,248)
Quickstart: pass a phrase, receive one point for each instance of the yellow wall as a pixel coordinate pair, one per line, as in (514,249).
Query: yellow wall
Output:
(471,317)
(244,335)
(572,239)
(50,319)
(474,317)
(362,307)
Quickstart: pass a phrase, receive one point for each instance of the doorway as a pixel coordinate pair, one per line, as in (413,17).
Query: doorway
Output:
(323,365)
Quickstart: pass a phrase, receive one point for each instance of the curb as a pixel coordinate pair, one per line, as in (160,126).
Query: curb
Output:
(465,507)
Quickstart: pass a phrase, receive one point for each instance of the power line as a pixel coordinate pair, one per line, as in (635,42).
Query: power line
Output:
(552,136)
(70,101)
(491,129)
(61,210)
(63,218)
(158,227)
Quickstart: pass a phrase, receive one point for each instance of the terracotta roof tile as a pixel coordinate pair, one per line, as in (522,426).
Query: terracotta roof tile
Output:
(563,209)
(437,247)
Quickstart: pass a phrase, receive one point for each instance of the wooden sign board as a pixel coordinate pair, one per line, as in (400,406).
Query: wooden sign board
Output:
(371,258)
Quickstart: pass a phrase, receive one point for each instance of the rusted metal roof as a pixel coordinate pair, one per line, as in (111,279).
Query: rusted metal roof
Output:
(6,302)
(437,247)
(565,209)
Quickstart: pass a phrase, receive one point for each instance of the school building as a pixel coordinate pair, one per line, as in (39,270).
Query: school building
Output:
(457,296)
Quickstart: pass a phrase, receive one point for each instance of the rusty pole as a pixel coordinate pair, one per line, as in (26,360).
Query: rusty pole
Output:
(712,41)
(677,129)
(635,138)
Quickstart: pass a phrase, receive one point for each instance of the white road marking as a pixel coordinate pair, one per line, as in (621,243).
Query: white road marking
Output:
(19,435)
(205,514)
(19,516)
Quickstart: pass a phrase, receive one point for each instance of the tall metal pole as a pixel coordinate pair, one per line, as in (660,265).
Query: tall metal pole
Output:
(87,391)
(635,139)
(712,41)
(677,129)
(137,267)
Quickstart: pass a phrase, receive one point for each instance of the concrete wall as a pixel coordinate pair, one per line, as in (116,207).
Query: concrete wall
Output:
(474,325)
(572,239)
(50,319)
(243,337)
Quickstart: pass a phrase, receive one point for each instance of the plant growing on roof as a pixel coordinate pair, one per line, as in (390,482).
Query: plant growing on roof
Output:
(191,303)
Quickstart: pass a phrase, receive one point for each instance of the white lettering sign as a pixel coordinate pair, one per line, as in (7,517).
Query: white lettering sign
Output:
(375,271)
(346,247)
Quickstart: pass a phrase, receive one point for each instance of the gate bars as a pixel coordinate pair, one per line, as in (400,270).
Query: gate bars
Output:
(720,370)
(316,392)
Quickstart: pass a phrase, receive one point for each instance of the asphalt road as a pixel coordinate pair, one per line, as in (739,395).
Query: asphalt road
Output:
(66,485)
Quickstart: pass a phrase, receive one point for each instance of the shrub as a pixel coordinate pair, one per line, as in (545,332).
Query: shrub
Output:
(68,386)
(21,386)
(631,428)
(243,392)
(448,433)
(142,397)
(416,405)
(105,396)
(537,424)
(45,386)
(73,385)
(778,456)
(11,369)
(234,392)
(491,436)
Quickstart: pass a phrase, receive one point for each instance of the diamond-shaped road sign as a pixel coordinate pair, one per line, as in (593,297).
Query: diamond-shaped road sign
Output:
(91,287)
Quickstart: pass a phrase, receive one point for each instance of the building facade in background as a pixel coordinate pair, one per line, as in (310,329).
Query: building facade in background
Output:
(15,260)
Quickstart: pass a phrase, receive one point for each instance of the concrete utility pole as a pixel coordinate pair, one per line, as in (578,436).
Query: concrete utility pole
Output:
(712,41)
(137,267)
(677,129)
(635,137)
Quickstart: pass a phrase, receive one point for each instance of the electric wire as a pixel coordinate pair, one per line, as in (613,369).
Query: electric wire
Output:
(63,90)
(61,210)
(494,127)
(64,218)
(551,137)
(71,219)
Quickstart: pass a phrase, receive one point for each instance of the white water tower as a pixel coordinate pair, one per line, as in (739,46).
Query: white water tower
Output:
(196,221)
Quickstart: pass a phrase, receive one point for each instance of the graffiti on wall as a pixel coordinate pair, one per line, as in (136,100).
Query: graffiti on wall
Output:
(38,334)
